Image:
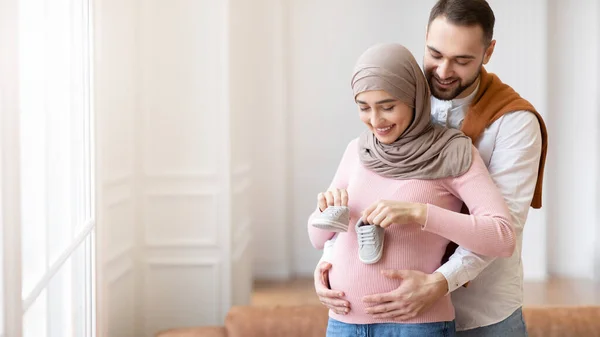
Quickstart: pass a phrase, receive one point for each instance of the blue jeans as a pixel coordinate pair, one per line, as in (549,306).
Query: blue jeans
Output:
(437,329)
(513,326)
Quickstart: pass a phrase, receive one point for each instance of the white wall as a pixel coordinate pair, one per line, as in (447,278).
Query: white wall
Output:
(115,103)
(522,63)
(324,43)
(323,48)
(597,207)
(263,59)
(184,178)
(250,95)
(175,103)
(573,171)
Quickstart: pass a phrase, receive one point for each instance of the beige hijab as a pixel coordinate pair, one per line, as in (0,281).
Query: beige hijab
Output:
(424,150)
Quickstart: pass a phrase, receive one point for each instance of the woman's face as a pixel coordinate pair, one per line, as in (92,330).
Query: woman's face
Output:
(384,115)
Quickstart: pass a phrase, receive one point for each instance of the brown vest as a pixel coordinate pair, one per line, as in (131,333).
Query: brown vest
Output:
(492,100)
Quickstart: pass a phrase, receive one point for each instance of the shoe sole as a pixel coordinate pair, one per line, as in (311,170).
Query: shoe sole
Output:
(379,255)
(332,226)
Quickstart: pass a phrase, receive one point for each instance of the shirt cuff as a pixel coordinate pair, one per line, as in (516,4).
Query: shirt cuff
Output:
(454,274)
(328,250)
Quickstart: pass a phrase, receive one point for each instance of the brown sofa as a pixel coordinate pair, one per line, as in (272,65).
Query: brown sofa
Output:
(307,321)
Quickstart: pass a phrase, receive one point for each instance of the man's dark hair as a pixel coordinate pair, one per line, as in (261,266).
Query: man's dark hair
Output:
(466,13)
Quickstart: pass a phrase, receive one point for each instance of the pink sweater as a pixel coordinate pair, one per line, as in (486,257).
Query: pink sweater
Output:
(486,231)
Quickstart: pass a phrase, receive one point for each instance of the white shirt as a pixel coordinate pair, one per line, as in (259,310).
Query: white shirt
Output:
(511,149)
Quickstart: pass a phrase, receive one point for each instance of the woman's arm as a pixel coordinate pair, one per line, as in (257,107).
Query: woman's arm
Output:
(487,230)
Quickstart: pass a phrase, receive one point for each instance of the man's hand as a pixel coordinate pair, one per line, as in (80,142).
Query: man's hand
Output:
(416,293)
(332,299)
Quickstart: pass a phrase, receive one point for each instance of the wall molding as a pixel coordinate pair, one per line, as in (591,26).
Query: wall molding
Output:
(120,272)
(200,174)
(121,253)
(242,239)
(242,170)
(174,193)
(118,191)
(242,185)
(177,183)
(157,263)
(185,242)
(205,266)
(244,229)
(118,180)
(182,244)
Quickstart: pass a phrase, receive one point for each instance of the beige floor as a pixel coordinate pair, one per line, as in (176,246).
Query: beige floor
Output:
(553,292)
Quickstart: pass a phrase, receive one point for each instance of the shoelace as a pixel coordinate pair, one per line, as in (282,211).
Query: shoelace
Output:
(366,235)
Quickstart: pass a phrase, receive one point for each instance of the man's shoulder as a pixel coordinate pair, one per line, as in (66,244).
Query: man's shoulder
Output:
(516,130)
(515,118)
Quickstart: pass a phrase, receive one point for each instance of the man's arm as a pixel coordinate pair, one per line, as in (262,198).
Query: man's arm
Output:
(513,167)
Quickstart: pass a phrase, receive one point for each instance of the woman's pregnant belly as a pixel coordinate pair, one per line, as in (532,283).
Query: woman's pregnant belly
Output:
(404,249)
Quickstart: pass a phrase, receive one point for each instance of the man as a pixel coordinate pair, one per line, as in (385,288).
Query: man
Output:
(511,138)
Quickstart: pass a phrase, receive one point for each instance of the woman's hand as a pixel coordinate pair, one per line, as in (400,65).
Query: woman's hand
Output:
(333,197)
(386,212)
(332,299)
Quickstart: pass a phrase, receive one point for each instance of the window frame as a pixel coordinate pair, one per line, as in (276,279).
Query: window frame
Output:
(79,255)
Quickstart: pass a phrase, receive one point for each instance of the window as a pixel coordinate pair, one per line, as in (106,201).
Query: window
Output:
(56,220)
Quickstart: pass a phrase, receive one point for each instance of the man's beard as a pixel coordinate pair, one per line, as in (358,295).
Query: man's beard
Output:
(451,93)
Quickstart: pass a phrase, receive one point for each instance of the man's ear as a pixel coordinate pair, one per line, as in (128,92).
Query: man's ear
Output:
(489,51)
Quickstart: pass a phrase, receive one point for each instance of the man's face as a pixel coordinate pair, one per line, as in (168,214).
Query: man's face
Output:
(453,58)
